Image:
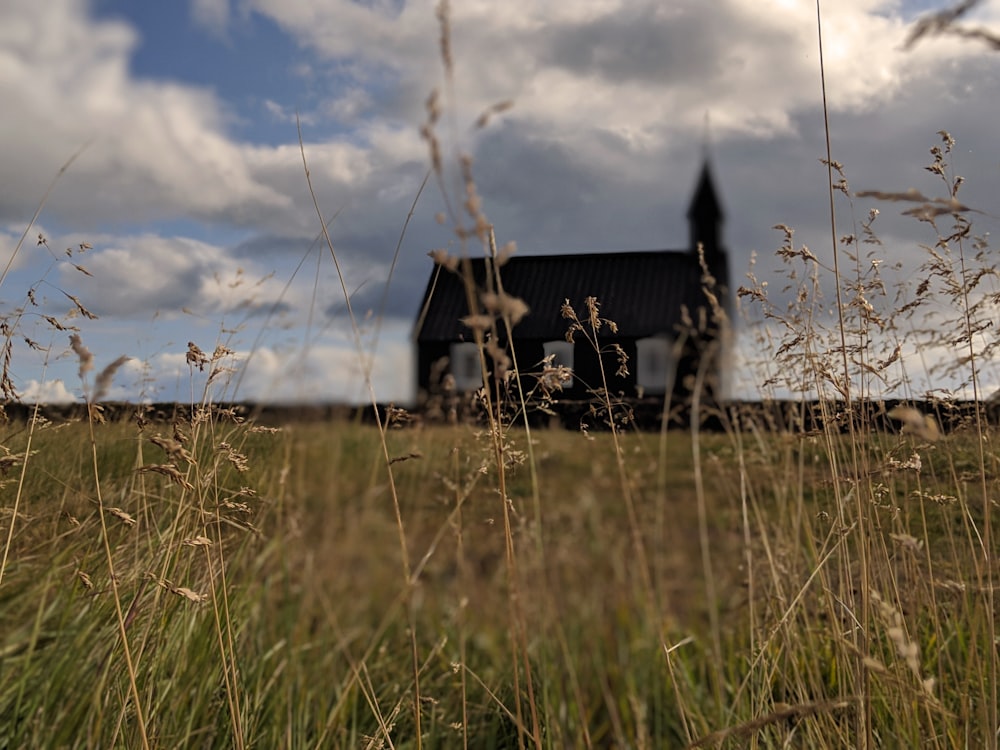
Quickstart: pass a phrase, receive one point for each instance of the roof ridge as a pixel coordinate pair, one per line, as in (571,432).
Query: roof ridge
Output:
(593,254)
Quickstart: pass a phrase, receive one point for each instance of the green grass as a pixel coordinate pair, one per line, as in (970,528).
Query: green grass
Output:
(307,632)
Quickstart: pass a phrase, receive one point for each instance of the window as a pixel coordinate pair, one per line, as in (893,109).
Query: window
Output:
(655,364)
(465,367)
(562,356)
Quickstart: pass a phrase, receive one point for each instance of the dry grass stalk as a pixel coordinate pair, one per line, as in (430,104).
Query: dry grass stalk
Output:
(406,457)
(782,713)
(173,447)
(907,649)
(80,308)
(255,429)
(181,591)
(908,542)
(10,460)
(168,470)
(122,516)
(505,305)
(57,325)
(484,119)
(237,459)
(945,22)
(103,381)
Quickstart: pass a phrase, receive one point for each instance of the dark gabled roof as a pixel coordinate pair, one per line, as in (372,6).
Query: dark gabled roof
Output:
(640,291)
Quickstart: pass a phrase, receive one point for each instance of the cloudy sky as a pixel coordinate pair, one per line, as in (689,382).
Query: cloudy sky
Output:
(187,191)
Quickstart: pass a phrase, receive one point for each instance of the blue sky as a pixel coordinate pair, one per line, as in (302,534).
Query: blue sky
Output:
(189,187)
(247,62)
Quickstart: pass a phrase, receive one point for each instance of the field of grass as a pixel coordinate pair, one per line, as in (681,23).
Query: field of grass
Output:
(266,593)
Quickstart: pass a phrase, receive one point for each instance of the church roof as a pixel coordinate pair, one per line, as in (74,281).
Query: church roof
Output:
(640,291)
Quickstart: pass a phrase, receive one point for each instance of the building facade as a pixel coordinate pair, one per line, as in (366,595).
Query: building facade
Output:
(669,309)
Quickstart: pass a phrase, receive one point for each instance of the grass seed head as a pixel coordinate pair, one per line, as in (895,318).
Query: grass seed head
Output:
(105,376)
(512,308)
(191,596)
(122,516)
(83,354)
(442,258)
(195,357)
(505,253)
(237,459)
(174,448)
(168,470)
(914,422)
(85,579)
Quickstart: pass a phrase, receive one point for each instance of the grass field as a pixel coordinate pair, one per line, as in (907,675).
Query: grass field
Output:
(267,595)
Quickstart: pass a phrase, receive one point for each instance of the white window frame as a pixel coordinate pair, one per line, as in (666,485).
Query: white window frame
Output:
(656,364)
(465,366)
(563,356)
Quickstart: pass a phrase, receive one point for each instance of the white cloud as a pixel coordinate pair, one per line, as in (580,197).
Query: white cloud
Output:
(47,392)
(318,373)
(599,151)
(14,253)
(349,106)
(140,275)
(284,115)
(212,15)
(628,65)
(156,149)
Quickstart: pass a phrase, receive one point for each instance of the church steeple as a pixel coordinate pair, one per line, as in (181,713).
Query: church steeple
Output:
(705,219)
(705,215)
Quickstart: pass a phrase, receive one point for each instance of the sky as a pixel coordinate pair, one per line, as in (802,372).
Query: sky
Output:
(158,143)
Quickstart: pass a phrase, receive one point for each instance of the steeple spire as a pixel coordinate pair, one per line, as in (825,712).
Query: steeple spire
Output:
(706,138)
(705,219)
(705,215)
